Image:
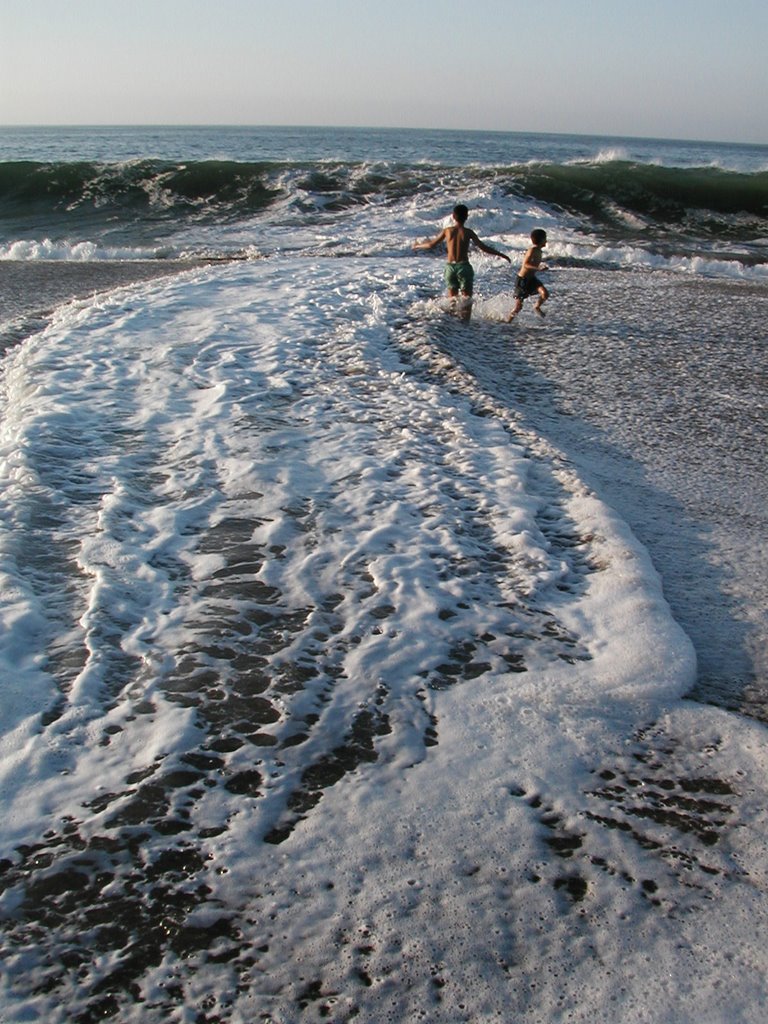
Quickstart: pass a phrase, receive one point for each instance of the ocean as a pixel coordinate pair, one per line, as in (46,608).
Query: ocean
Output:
(360,661)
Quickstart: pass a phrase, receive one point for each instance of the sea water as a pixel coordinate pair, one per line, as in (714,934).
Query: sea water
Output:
(361,662)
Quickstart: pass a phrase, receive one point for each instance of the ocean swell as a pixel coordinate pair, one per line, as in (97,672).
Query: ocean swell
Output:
(661,194)
(136,185)
(626,195)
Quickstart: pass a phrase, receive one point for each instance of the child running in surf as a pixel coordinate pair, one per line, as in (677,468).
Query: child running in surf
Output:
(527,282)
(459,273)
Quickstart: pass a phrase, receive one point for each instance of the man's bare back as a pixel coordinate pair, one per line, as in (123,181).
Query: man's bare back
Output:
(457,239)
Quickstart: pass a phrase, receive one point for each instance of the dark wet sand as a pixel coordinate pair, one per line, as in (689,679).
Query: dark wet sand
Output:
(654,384)
(31,289)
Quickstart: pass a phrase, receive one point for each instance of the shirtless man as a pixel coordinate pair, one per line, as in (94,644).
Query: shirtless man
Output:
(459,274)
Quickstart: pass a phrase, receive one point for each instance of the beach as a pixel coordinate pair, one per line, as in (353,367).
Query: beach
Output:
(360,662)
(670,443)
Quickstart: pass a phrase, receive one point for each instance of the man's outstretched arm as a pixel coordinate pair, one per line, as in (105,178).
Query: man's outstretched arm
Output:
(430,243)
(488,248)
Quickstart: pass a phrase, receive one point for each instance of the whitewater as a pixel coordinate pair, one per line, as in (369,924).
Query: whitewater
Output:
(336,684)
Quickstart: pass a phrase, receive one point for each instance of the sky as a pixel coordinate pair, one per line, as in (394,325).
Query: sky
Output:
(686,69)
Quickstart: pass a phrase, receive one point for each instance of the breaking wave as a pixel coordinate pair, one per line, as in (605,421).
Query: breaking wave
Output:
(596,189)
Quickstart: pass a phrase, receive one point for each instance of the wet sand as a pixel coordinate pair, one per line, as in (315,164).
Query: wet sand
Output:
(662,408)
(31,289)
(654,386)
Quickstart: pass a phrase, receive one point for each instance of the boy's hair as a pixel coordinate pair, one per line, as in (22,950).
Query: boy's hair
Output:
(460,212)
(538,235)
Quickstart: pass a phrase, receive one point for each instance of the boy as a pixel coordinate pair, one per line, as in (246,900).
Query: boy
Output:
(527,283)
(459,273)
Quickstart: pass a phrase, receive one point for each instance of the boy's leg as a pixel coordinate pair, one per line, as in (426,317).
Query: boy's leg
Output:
(465,306)
(451,281)
(516,309)
(543,296)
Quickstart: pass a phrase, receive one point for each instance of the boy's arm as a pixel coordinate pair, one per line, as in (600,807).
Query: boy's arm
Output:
(487,248)
(430,243)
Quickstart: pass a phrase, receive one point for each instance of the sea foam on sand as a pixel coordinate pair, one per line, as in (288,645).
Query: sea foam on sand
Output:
(475,791)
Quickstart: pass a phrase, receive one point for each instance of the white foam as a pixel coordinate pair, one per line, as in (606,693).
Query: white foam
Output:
(311,398)
(627,256)
(78,251)
(607,155)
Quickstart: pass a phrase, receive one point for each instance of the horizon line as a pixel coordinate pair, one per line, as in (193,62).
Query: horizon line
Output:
(362,128)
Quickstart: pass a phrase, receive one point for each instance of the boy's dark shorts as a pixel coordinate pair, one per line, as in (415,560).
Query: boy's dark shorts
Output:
(525,286)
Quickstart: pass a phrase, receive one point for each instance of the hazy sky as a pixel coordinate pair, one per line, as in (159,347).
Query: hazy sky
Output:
(668,68)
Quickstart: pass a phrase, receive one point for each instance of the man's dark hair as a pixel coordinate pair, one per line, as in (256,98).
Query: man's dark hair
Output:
(460,212)
(538,235)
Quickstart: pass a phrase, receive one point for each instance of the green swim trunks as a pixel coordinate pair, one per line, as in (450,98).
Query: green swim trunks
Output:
(459,277)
